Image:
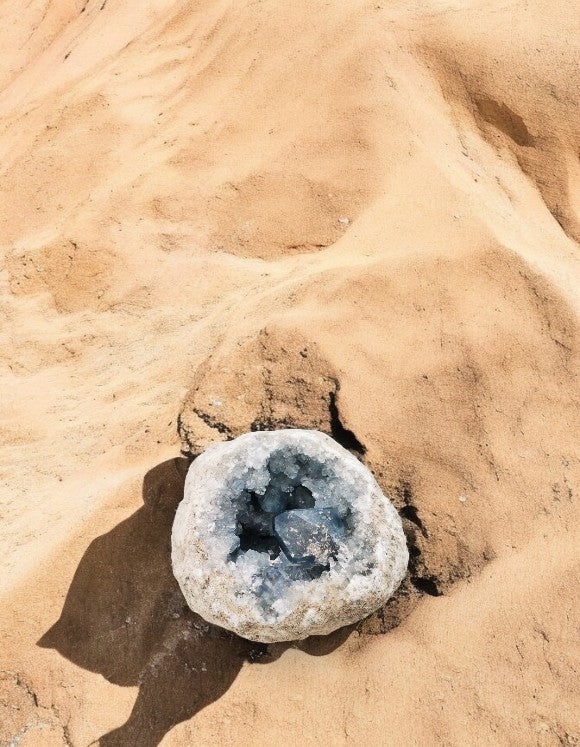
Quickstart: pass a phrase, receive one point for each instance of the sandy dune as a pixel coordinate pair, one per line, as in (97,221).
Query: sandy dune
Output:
(356,216)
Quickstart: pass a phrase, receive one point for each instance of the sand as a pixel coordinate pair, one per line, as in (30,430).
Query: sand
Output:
(356,216)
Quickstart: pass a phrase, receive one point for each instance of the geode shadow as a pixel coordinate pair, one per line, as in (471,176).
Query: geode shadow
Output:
(125,617)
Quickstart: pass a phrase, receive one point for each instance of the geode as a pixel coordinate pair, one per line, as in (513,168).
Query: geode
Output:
(285,534)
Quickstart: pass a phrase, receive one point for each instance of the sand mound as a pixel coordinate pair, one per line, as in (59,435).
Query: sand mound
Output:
(360,218)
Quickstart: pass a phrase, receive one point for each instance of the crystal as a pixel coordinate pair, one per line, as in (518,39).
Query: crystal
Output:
(309,535)
(285,534)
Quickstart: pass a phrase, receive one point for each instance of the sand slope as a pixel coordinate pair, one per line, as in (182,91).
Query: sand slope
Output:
(359,217)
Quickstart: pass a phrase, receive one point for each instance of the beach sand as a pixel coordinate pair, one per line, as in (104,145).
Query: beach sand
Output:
(361,217)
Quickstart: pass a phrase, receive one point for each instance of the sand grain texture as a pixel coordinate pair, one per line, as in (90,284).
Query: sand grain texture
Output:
(358,217)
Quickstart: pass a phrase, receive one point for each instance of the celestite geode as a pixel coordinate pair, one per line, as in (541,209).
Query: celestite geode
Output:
(285,534)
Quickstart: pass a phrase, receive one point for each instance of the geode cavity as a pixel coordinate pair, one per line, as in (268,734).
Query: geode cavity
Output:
(285,534)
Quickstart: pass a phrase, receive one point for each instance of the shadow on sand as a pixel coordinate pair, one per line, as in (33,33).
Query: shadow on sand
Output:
(125,618)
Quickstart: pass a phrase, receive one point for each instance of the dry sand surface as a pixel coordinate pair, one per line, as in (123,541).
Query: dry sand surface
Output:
(356,216)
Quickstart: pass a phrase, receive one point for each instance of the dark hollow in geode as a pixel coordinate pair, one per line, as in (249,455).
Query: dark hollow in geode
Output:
(296,532)
(285,519)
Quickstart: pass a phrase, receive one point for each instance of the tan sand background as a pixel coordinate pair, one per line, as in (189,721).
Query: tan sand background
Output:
(356,216)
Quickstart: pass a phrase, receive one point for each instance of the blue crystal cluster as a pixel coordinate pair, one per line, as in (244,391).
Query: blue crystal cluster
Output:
(285,534)
(291,527)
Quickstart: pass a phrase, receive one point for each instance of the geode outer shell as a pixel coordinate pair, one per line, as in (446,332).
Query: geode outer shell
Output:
(246,501)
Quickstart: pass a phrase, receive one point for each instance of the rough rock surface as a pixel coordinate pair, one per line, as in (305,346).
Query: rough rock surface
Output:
(285,534)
